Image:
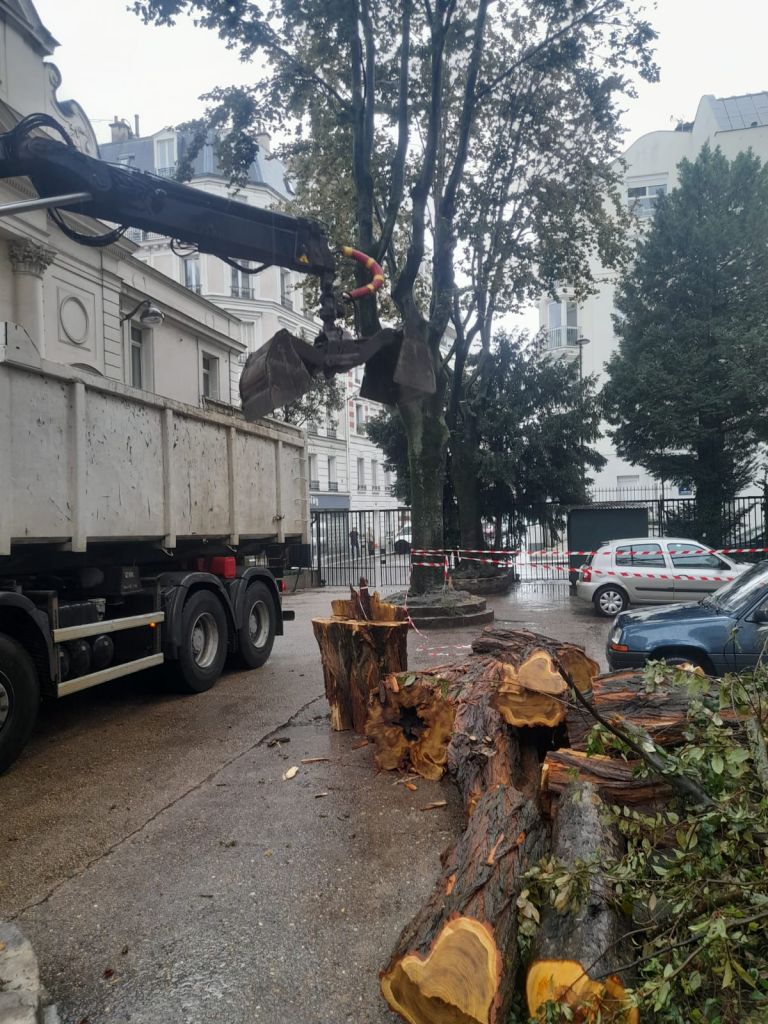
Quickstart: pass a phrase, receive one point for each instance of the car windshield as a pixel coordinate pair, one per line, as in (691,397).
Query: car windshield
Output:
(736,596)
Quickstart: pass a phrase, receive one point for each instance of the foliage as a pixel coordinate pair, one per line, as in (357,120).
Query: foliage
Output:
(533,426)
(694,878)
(689,382)
(405,115)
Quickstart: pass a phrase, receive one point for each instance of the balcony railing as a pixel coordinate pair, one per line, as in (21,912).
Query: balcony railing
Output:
(362,488)
(376,489)
(313,429)
(194,288)
(314,485)
(562,337)
(333,485)
(286,301)
(166,172)
(330,430)
(241,292)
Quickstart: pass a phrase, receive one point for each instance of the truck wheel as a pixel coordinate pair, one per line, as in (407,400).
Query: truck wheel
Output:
(203,647)
(19,699)
(257,627)
(609,601)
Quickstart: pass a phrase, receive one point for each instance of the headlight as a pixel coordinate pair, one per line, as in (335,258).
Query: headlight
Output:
(615,636)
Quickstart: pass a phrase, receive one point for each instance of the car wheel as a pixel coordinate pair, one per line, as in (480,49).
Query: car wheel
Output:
(203,647)
(19,699)
(609,601)
(686,659)
(257,627)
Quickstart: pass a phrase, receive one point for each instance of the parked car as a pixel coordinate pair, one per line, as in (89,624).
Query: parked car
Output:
(402,543)
(606,577)
(727,631)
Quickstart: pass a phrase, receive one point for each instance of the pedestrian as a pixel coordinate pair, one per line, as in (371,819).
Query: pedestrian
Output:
(354,542)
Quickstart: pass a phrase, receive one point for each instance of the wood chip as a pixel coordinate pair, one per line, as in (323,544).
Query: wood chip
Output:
(290,772)
(278,739)
(318,795)
(410,785)
(435,805)
(492,854)
(313,760)
(358,746)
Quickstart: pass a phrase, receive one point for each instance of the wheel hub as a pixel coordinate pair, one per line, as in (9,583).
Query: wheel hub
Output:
(611,602)
(205,640)
(5,701)
(258,624)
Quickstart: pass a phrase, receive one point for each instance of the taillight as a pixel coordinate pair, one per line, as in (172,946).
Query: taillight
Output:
(586,574)
(281,586)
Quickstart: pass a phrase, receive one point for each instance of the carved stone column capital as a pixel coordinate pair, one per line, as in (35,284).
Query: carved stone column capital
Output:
(28,257)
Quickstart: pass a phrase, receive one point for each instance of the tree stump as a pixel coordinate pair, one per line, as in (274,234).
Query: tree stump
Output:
(456,961)
(576,952)
(364,641)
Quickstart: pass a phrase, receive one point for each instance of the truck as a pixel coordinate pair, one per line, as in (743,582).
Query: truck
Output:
(136,530)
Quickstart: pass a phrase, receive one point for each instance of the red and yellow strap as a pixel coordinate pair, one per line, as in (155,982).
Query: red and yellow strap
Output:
(377,274)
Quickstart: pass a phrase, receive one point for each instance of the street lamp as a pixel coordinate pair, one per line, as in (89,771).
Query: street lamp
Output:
(150,317)
(581,342)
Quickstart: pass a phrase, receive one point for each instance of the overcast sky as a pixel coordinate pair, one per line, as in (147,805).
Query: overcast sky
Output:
(113,64)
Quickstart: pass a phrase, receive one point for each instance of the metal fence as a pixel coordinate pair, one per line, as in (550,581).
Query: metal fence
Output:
(376,543)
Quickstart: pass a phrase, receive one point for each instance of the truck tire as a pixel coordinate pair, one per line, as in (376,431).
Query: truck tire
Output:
(256,634)
(203,647)
(19,699)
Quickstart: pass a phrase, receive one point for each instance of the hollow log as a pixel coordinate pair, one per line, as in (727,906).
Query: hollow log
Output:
(456,961)
(499,641)
(578,951)
(364,641)
(615,780)
(624,696)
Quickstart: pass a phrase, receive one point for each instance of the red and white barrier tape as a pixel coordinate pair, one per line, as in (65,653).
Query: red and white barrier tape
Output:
(660,575)
(553,553)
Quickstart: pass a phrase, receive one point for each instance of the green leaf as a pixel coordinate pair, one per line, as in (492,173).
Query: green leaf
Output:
(717,764)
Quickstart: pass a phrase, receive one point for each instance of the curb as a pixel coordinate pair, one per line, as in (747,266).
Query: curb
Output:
(21,993)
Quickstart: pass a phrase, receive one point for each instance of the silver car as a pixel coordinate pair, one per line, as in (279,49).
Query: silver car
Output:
(651,570)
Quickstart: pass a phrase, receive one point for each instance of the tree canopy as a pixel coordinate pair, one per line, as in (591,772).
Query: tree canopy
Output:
(688,384)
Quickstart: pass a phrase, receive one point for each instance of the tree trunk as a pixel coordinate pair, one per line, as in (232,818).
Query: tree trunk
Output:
(620,696)
(456,961)
(580,945)
(615,780)
(364,641)
(467,489)
(427,444)
(570,659)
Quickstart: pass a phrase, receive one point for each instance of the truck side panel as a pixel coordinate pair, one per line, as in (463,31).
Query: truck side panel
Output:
(92,460)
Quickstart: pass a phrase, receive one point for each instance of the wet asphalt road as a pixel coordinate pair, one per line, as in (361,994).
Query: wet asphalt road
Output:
(165,872)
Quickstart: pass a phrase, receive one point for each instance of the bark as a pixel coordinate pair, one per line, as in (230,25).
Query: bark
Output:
(578,949)
(456,961)
(364,641)
(616,780)
(620,696)
(466,488)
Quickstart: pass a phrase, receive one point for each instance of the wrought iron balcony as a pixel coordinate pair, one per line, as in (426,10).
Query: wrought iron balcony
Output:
(562,337)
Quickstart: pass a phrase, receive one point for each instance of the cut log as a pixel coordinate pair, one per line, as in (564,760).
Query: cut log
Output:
(624,696)
(499,641)
(456,961)
(358,651)
(577,952)
(616,781)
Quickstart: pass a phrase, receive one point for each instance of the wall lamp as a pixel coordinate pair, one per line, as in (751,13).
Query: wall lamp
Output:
(150,317)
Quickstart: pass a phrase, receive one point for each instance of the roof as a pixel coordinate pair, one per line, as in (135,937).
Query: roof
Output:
(23,14)
(734,112)
(265,170)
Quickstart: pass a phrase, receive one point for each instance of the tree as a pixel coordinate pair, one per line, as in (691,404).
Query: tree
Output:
(530,423)
(688,384)
(324,397)
(401,99)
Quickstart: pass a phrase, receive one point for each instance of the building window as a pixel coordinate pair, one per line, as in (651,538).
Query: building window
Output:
(359,418)
(314,482)
(241,287)
(562,324)
(361,474)
(333,483)
(191,267)
(248,335)
(626,484)
(210,373)
(126,160)
(137,357)
(331,425)
(642,199)
(286,290)
(357,374)
(165,157)
(375,476)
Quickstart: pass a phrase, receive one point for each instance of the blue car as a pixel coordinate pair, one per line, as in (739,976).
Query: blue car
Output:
(725,632)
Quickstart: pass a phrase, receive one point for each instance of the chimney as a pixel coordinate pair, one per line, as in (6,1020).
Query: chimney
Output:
(264,140)
(120,130)
(136,122)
